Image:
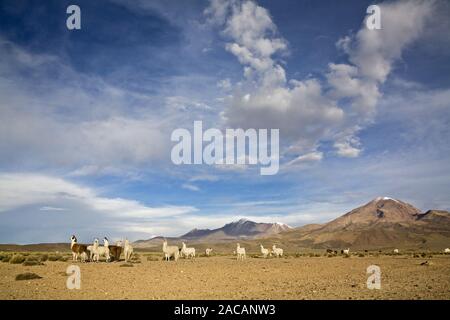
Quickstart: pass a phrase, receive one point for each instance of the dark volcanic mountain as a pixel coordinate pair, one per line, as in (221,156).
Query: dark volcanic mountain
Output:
(241,229)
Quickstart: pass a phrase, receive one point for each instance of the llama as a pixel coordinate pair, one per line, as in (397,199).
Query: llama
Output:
(278,252)
(101,251)
(189,252)
(170,251)
(83,257)
(91,252)
(396,251)
(116,250)
(208,252)
(240,252)
(265,252)
(447,250)
(77,249)
(127,250)
(346,251)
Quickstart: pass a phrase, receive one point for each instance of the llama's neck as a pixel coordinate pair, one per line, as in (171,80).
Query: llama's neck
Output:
(72,243)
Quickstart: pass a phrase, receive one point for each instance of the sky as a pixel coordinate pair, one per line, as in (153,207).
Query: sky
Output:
(86,115)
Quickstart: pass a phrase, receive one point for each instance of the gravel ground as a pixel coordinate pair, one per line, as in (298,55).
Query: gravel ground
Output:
(222,277)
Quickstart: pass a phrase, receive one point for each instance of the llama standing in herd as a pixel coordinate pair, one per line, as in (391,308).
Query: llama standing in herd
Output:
(396,251)
(116,250)
(265,252)
(127,250)
(170,251)
(278,252)
(101,251)
(77,249)
(346,252)
(240,252)
(447,250)
(208,252)
(188,252)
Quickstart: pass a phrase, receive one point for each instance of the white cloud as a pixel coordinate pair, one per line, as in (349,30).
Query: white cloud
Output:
(224,84)
(309,157)
(48,208)
(308,112)
(189,186)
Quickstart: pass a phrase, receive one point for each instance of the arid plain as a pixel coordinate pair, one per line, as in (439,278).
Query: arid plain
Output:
(405,276)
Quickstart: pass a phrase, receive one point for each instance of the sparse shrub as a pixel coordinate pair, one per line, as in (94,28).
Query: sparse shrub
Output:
(135,258)
(6,258)
(17,259)
(32,258)
(63,258)
(29,263)
(152,258)
(54,257)
(43,257)
(27,276)
(127,265)
(361,255)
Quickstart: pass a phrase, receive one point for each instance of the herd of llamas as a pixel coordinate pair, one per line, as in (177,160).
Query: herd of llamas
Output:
(95,251)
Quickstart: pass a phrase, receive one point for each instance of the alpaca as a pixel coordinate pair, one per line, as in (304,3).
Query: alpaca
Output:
(240,252)
(347,251)
(278,252)
(208,251)
(447,250)
(189,252)
(128,250)
(170,251)
(265,252)
(396,251)
(77,249)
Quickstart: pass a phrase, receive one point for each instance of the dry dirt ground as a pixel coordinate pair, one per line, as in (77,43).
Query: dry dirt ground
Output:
(222,277)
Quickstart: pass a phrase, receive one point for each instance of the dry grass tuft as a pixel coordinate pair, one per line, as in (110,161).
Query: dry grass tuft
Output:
(17,259)
(29,263)
(127,265)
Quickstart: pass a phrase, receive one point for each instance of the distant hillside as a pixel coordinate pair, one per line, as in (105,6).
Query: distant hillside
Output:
(45,247)
(243,229)
(383,222)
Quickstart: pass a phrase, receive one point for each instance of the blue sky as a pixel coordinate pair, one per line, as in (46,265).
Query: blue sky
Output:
(86,115)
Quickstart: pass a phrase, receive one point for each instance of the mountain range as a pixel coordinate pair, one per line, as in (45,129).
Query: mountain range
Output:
(241,229)
(381,223)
